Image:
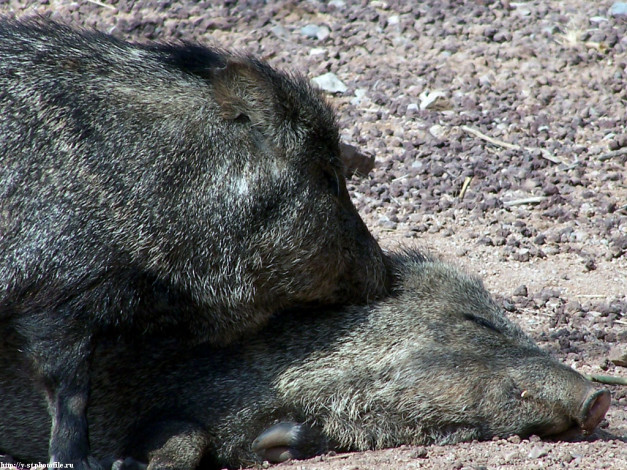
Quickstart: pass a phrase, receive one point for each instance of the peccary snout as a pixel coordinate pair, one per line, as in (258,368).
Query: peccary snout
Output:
(561,403)
(594,407)
(583,420)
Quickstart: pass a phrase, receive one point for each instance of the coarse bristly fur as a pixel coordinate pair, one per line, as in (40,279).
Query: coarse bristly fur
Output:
(162,189)
(435,362)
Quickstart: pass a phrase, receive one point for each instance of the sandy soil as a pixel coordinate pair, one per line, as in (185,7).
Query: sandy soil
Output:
(500,138)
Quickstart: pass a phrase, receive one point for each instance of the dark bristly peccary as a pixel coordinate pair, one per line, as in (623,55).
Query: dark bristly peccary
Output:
(159,188)
(436,362)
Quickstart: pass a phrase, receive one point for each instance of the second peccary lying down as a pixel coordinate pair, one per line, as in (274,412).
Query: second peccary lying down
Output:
(436,362)
(170,190)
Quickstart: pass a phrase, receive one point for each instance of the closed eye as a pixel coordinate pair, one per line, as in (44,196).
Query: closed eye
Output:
(481,322)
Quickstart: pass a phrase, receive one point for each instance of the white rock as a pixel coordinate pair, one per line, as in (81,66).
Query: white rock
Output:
(537,452)
(618,9)
(486,79)
(279,31)
(437,131)
(329,82)
(360,93)
(311,31)
(323,33)
(317,51)
(314,31)
(427,98)
(393,20)
(379,4)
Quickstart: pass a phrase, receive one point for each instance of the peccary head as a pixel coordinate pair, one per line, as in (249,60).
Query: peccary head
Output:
(438,362)
(476,375)
(293,235)
(314,246)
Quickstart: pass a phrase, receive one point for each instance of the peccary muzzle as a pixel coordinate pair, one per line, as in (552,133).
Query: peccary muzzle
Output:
(168,190)
(436,362)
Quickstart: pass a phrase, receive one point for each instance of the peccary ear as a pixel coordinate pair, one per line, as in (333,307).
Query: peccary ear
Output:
(355,162)
(244,91)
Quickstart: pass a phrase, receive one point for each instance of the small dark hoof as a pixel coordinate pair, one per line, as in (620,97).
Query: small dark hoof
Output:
(128,463)
(285,441)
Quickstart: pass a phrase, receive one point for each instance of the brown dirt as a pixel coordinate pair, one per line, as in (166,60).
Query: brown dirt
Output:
(547,77)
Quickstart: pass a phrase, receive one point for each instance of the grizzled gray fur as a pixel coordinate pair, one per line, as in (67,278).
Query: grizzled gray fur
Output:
(170,190)
(436,362)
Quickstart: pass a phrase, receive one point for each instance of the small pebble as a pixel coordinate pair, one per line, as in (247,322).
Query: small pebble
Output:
(487,241)
(360,94)
(463,251)
(618,9)
(537,452)
(280,32)
(618,246)
(314,31)
(521,291)
(565,457)
(618,355)
(323,33)
(393,20)
(419,453)
(590,264)
(329,82)
(428,98)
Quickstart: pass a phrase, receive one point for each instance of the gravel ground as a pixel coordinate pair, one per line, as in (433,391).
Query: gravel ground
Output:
(500,139)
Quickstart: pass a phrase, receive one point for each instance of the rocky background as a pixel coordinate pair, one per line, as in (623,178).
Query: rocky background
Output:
(499,133)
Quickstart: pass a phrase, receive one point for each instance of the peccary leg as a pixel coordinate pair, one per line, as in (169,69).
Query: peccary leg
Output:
(68,405)
(285,441)
(177,445)
(61,357)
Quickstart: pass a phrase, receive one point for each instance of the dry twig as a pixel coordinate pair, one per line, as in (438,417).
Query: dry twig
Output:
(526,200)
(612,154)
(465,187)
(545,153)
(104,5)
(487,138)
